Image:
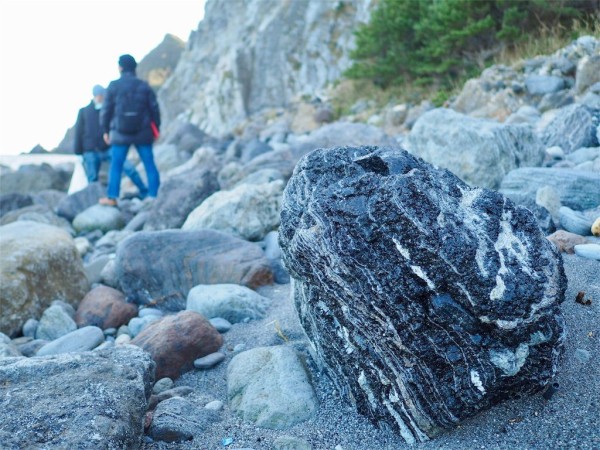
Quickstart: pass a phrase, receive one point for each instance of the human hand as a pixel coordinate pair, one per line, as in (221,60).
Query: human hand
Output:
(106,138)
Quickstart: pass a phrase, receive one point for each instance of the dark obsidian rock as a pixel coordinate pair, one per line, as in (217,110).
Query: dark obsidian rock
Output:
(426,300)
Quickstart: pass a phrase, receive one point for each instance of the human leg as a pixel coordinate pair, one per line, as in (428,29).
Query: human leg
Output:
(134,176)
(91,164)
(118,155)
(147,157)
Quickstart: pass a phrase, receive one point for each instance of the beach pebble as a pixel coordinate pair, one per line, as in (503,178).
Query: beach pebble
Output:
(269,387)
(8,349)
(162,385)
(178,419)
(123,339)
(565,241)
(574,221)
(144,312)
(215,405)
(222,325)
(64,305)
(589,251)
(137,324)
(180,391)
(110,332)
(86,338)
(209,361)
(229,301)
(30,327)
(105,345)
(30,348)
(582,355)
(55,322)
(596,227)
(239,347)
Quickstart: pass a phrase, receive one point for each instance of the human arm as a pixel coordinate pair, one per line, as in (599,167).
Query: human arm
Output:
(79,127)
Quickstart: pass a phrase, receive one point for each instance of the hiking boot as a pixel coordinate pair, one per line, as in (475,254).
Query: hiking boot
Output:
(107,201)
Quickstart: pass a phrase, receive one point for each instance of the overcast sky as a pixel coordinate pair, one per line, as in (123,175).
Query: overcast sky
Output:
(53,52)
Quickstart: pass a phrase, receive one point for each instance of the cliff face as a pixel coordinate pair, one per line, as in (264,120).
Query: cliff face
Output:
(158,65)
(250,55)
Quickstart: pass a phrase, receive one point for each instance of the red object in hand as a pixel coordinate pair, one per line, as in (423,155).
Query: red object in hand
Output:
(155,131)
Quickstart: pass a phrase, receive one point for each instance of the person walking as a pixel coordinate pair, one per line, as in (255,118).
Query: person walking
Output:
(129,116)
(89,142)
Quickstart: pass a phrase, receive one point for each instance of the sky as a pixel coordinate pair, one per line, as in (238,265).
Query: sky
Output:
(53,52)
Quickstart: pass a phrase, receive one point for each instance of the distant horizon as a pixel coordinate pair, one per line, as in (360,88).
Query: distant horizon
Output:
(53,52)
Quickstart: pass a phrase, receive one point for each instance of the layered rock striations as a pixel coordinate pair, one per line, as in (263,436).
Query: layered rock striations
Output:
(425,300)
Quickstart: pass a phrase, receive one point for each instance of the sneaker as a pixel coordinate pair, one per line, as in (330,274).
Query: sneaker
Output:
(107,201)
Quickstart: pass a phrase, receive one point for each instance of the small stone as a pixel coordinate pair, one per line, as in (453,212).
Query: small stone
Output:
(589,251)
(215,405)
(222,325)
(123,339)
(162,385)
(30,327)
(582,355)
(239,347)
(150,312)
(110,332)
(555,152)
(209,361)
(596,227)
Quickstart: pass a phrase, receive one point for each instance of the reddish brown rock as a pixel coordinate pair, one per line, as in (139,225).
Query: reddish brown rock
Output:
(175,341)
(565,241)
(104,307)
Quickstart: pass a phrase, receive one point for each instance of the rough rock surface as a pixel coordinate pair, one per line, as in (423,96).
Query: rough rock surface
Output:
(267,53)
(177,340)
(39,263)
(84,400)
(182,260)
(104,307)
(426,300)
(479,151)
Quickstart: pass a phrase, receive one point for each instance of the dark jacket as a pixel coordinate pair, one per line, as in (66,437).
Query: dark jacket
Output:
(143,94)
(88,134)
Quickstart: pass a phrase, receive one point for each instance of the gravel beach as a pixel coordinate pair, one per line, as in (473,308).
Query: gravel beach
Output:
(570,419)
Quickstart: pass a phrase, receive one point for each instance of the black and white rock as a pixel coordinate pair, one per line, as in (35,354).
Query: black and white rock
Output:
(425,300)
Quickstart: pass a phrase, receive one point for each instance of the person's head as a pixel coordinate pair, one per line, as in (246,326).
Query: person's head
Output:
(127,63)
(98,93)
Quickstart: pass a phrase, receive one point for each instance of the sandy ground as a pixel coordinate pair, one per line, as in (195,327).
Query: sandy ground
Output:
(569,420)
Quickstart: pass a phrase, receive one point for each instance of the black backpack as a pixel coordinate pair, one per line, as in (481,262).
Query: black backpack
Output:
(129,112)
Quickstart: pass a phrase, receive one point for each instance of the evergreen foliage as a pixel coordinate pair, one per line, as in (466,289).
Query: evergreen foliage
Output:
(443,40)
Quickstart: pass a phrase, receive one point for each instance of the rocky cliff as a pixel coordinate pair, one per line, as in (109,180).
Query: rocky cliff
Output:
(266,55)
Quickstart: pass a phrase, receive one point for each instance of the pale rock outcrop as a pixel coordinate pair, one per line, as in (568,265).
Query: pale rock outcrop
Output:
(266,55)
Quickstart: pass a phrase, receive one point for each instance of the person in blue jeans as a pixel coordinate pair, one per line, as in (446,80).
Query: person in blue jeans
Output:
(89,142)
(129,116)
